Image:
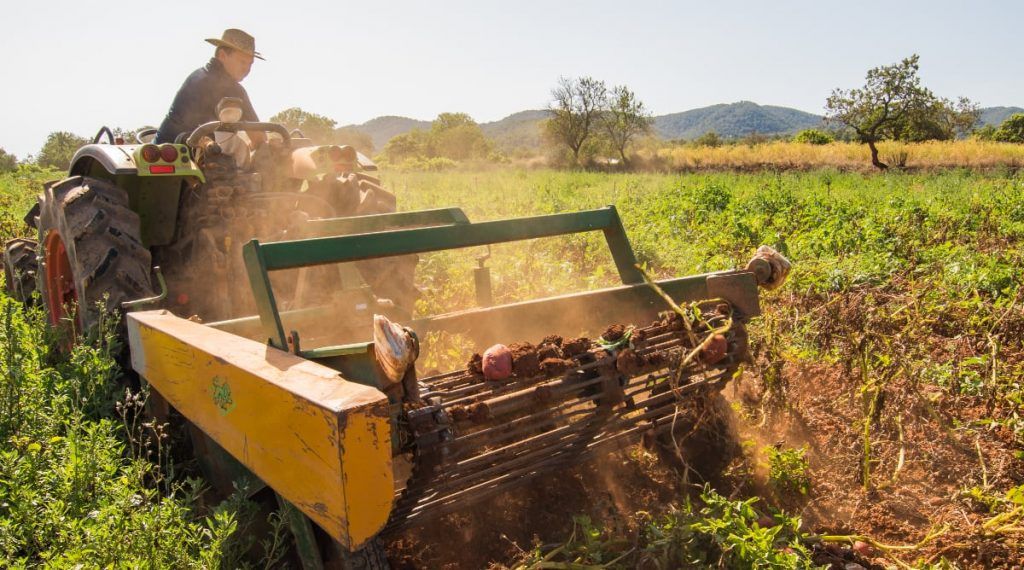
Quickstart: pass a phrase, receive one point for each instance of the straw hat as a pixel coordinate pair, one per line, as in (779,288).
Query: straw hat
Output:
(237,39)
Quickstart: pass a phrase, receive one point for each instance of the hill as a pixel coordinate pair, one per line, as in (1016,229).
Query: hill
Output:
(381,129)
(729,120)
(734,120)
(996,115)
(518,130)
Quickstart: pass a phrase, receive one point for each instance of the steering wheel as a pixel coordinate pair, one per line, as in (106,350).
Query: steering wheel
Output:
(209,128)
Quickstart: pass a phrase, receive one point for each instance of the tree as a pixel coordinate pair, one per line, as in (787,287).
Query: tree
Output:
(58,149)
(458,137)
(446,121)
(943,120)
(893,105)
(624,119)
(576,107)
(1012,129)
(8,162)
(318,128)
(413,144)
(985,133)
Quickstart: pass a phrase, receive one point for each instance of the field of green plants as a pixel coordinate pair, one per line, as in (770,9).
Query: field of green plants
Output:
(882,410)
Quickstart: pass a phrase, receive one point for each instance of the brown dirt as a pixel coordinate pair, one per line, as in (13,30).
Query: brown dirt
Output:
(525,361)
(901,507)
(575,347)
(628,362)
(613,333)
(607,489)
(548,351)
(552,339)
(556,366)
(475,364)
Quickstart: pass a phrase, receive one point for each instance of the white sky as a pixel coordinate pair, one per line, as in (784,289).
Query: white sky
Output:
(77,64)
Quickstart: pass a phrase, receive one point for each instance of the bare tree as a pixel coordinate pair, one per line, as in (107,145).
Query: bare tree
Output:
(576,107)
(624,119)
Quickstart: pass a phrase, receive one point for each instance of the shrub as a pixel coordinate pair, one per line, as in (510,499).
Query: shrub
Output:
(813,136)
(1012,129)
(710,139)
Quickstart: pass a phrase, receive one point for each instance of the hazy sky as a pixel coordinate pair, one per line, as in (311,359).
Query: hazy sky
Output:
(76,65)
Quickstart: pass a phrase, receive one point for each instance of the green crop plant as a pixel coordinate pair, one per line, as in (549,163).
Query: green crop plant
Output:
(788,469)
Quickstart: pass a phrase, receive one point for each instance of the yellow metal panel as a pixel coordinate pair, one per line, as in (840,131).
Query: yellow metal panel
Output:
(322,442)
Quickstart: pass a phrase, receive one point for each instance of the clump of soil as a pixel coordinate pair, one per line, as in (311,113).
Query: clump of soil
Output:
(525,361)
(575,347)
(547,352)
(475,364)
(552,339)
(629,362)
(670,319)
(657,359)
(613,333)
(556,366)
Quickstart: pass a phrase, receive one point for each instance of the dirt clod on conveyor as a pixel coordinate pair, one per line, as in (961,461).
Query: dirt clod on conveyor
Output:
(525,360)
(613,333)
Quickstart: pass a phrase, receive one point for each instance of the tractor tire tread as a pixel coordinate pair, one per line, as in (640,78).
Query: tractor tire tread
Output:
(20,269)
(102,236)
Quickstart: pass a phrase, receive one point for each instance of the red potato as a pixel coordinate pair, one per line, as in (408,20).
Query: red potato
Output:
(715,350)
(863,548)
(497,362)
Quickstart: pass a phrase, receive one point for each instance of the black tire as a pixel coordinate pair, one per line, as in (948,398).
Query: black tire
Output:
(20,268)
(101,237)
(370,557)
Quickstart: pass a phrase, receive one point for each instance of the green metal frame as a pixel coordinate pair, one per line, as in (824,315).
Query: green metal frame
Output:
(260,259)
(381,222)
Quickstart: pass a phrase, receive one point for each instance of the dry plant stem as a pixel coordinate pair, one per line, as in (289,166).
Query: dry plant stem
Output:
(981,460)
(671,303)
(903,452)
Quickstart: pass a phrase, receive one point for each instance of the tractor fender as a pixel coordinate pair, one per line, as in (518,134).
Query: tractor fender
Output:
(115,159)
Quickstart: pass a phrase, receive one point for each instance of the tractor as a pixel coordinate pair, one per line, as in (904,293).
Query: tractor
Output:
(269,308)
(186,208)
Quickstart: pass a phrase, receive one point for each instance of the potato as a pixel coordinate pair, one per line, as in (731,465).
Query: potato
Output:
(497,363)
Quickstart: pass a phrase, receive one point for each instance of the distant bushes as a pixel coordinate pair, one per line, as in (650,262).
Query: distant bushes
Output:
(452,137)
(813,136)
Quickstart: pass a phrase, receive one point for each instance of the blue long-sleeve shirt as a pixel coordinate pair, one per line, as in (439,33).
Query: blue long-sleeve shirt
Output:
(196,101)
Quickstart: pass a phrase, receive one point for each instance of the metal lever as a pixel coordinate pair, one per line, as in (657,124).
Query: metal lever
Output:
(129,305)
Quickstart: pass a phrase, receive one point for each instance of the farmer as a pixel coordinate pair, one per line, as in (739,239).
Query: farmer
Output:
(197,99)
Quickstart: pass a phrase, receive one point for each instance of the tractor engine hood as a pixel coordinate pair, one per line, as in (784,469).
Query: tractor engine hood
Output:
(311,162)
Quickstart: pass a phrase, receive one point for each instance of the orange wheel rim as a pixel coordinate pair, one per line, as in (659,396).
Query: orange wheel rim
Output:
(61,295)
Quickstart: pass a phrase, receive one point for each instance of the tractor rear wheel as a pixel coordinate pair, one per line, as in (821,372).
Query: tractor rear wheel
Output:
(20,268)
(93,257)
